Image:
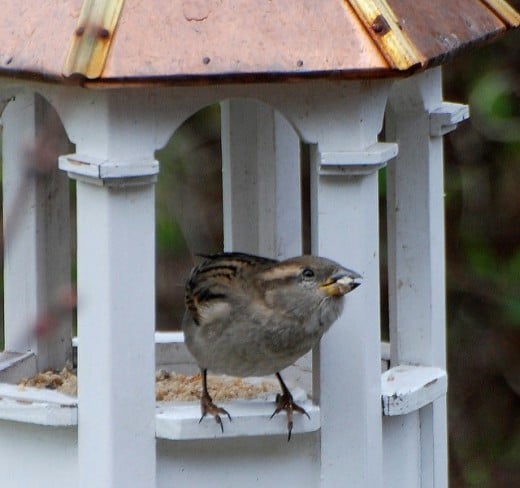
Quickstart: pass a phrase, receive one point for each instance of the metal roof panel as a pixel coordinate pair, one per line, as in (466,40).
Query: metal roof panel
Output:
(201,40)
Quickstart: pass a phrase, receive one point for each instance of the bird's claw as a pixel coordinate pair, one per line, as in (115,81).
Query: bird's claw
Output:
(286,402)
(207,406)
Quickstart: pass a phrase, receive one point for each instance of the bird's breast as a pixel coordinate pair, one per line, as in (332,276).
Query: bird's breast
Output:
(254,341)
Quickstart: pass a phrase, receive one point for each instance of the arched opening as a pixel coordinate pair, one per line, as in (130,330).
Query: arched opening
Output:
(188,209)
(233,177)
(198,165)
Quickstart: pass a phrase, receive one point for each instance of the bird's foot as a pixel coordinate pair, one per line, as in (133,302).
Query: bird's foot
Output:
(207,406)
(286,402)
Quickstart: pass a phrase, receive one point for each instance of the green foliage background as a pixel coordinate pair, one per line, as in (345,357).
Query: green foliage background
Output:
(483,267)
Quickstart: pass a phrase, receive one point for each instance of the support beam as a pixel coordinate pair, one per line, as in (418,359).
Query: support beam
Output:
(261,181)
(344,202)
(416,262)
(115,328)
(116,291)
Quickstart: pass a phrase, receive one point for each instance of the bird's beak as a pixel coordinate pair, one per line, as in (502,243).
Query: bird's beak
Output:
(341,283)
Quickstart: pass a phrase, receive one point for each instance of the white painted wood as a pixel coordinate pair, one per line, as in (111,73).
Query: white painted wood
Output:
(16,365)
(7,93)
(349,357)
(27,394)
(287,240)
(315,109)
(401,435)
(36,229)
(117,421)
(22,293)
(385,351)
(37,456)
(37,406)
(250,418)
(81,165)
(115,327)
(446,118)
(240,176)
(22,289)
(405,389)
(347,366)
(173,420)
(385,356)
(355,163)
(171,354)
(116,310)
(170,337)
(248,461)
(261,178)
(177,420)
(416,261)
(261,181)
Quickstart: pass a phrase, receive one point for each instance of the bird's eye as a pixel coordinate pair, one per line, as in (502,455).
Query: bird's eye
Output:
(308,273)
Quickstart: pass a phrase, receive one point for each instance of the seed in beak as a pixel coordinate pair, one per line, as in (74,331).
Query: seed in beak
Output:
(342,282)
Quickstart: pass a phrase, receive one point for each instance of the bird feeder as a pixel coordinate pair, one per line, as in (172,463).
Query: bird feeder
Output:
(122,77)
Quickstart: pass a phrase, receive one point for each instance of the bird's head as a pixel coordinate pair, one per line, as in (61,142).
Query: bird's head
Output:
(308,279)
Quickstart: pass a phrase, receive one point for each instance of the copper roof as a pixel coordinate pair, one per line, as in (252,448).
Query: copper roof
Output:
(202,40)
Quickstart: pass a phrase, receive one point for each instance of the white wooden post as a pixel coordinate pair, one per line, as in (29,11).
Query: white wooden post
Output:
(36,235)
(261,180)
(262,200)
(416,277)
(344,227)
(115,173)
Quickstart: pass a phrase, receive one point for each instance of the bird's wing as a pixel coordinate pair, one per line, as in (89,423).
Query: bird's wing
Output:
(213,282)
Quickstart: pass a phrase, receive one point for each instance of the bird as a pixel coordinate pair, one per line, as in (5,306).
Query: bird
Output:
(249,315)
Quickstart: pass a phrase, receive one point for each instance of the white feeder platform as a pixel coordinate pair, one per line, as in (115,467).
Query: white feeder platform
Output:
(249,418)
(37,406)
(174,420)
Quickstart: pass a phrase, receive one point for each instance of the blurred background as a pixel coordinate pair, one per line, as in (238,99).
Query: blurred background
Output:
(482,185)
(482,170)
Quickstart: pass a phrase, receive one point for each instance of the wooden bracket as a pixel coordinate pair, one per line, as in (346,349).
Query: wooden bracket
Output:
(109,173)
(356,163)
(405,389)
(446,118)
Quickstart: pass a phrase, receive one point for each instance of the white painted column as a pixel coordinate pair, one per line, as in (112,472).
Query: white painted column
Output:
(261,181)
(115,173)
(115,330)
(262,198)
(36,232)
(416,276)
(344,192)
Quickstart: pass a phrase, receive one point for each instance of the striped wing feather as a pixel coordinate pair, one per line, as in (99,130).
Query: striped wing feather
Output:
(210,281)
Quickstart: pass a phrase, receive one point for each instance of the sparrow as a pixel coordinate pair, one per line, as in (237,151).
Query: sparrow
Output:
(254,316)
